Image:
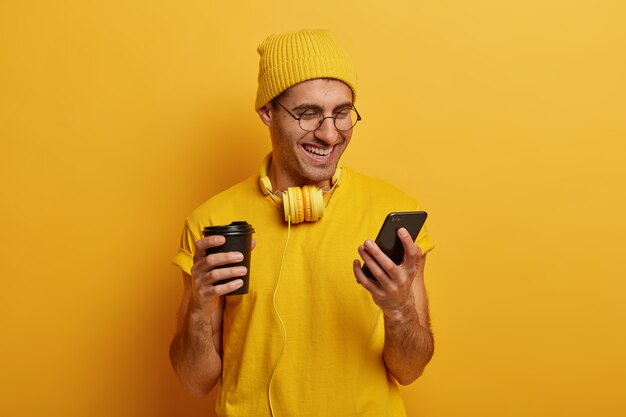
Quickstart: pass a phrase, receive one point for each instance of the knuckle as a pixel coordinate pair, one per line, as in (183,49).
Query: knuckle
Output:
(215,275)
(199,245)
(196,270)
(206,292)
(209,262)
(413,250)
(393,268)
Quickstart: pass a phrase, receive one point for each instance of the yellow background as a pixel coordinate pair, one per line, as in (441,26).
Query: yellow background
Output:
(506,119)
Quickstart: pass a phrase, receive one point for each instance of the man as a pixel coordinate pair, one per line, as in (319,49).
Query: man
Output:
(307,340)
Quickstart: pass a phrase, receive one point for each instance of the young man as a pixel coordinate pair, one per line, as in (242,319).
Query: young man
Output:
(307,340)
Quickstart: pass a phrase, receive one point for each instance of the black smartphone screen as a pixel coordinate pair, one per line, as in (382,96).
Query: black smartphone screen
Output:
(388,240)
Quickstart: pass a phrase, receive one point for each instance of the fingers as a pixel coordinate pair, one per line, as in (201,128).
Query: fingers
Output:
(363,279)
(382,267)
(370,261)
(205,243)
(206,263)
(412,252)
(209,291)
(208,270)
(393,289)
(378,263)
(208,283)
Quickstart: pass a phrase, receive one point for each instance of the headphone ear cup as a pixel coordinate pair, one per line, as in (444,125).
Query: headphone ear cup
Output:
(316,199)
(303,204)
(298,204)
(293,208)
(306,203)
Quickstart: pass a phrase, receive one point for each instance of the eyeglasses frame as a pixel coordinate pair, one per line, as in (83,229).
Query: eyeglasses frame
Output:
(334,117)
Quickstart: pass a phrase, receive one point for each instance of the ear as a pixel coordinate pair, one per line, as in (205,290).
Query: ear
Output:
(266,113)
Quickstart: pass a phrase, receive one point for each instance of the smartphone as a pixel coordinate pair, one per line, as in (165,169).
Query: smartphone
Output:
(388,240)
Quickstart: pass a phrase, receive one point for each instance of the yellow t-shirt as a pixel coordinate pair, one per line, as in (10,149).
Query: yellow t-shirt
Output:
(310,343)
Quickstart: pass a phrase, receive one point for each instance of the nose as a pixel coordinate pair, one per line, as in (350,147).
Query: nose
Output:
(327,131)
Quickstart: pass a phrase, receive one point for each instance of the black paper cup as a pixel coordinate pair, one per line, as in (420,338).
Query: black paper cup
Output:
(238,239)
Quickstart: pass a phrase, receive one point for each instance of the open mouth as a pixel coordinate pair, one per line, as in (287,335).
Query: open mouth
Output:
(318,153)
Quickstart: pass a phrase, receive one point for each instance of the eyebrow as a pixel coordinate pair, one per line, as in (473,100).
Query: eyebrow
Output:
(305,106)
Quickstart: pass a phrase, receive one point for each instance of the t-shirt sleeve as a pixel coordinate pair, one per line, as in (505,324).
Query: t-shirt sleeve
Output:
(184,257)
(424,242)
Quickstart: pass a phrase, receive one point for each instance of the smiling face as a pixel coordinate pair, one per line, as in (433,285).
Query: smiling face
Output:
(299,157)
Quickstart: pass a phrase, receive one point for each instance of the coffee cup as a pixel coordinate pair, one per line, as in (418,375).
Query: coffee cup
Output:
(238,237)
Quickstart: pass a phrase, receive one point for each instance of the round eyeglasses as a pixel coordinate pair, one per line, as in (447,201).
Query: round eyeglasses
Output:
(311,119)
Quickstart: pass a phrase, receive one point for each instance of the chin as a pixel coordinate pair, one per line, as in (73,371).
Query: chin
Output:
(321,175)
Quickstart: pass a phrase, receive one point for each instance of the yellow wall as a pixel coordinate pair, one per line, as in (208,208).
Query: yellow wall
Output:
(505,118)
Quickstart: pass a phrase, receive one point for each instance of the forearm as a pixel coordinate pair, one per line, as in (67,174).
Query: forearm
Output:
(409,343)
(193,353)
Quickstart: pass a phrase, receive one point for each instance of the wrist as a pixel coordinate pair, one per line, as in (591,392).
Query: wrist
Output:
(401,313)
(202,307)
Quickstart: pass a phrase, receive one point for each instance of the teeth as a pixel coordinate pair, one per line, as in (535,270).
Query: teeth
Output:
(317,151)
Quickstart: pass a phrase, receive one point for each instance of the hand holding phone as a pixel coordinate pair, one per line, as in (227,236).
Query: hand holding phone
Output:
(387,239)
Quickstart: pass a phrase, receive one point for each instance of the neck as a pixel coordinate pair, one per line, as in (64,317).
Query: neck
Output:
(281,182)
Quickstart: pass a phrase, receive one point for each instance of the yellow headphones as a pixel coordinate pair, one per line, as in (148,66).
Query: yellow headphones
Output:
(299,204)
